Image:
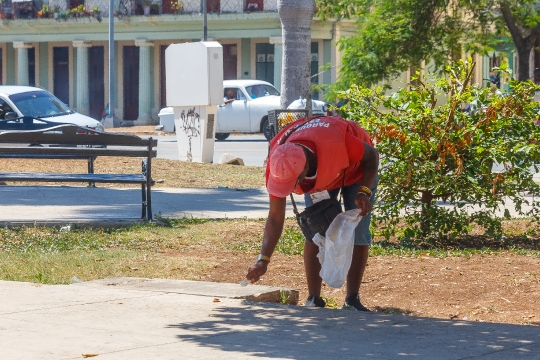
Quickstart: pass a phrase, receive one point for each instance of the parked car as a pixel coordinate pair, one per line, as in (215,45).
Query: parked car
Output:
(248,112)
(31,102)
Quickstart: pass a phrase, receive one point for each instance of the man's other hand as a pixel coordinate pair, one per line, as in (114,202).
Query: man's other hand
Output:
(362,202)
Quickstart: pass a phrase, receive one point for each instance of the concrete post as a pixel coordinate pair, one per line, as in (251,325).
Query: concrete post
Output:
(195,107)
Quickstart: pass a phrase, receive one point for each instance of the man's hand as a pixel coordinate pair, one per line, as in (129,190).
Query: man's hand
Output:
(257,270)
(362,202)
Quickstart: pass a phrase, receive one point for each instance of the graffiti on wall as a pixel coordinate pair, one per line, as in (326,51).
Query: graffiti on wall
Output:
(191,124)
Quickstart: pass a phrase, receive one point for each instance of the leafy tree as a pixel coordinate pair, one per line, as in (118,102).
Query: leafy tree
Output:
(433,152)
(395,35)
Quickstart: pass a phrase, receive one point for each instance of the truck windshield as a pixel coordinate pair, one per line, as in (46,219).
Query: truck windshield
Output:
(261,90)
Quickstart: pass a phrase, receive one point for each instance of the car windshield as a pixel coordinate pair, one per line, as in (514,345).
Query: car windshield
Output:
(39,104)
(261,90)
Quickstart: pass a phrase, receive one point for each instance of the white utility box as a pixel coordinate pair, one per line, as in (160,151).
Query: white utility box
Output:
(194,86)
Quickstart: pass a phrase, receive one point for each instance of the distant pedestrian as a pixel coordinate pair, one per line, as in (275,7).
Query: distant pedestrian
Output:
(105,113)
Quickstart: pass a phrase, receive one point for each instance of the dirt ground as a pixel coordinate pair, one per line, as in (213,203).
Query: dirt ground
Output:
(503,288)
(494,285)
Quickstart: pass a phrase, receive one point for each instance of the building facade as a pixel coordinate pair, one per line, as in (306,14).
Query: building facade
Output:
(62,46)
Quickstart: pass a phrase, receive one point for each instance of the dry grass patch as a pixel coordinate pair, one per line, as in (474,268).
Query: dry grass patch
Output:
(477,279)
(60,268)
(167,173)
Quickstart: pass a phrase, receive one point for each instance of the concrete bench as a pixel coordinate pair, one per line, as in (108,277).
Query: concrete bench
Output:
(66,142)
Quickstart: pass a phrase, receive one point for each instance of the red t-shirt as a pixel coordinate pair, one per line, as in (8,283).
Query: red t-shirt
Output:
(354,147)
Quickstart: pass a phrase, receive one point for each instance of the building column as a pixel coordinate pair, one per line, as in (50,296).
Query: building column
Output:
(22,62)
(82,99)
(485,72)
(327,58)
(246,58)
(145,78)
(278,60)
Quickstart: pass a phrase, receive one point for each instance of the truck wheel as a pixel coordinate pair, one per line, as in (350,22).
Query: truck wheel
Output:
(222,136)
(266,129)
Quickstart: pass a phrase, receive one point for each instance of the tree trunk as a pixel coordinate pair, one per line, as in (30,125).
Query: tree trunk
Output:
(524,57)
(296,17)
(425,223)
(524,40)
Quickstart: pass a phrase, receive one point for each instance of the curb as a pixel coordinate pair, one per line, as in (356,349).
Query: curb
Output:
(258,293)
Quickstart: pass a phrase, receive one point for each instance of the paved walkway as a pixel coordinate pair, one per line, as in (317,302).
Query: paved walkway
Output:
(69,204)
(62,204)
(167,319)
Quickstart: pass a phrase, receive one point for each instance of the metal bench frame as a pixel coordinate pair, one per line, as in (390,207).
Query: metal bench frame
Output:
(73,142)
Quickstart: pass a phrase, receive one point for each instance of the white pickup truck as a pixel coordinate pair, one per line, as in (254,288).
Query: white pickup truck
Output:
(248,110)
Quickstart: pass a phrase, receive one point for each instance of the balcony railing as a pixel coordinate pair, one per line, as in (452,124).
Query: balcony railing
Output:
(64,9)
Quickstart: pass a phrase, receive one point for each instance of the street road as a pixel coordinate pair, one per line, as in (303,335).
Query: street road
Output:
(253,148)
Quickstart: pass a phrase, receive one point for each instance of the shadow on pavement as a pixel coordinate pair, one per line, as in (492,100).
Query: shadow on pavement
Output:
(300,333)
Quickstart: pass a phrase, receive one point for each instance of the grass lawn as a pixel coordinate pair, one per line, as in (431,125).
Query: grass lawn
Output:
(484,281)
(475,279)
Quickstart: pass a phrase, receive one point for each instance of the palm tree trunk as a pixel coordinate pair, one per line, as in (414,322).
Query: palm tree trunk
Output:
(296,17)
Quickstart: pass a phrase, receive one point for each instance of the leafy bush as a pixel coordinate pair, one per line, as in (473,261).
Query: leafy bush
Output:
(435,154)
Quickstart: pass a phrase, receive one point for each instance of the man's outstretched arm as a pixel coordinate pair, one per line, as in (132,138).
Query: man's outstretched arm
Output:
(272,232)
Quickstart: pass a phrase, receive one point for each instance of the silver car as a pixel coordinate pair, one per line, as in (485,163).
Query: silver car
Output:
(19,101)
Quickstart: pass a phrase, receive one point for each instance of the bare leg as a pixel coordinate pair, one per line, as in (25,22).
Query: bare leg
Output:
(313,268)
(356,272)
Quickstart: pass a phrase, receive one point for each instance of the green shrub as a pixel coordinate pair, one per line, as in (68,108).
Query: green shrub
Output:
(433,153)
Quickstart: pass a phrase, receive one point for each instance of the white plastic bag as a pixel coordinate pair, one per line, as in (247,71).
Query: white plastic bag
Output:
(336,248)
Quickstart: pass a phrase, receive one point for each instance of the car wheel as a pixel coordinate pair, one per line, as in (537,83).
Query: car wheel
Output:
(222,136)
(267,129)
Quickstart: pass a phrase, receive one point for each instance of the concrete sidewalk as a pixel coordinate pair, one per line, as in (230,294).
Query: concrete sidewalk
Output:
(69,204)
(116,206)
(167,319)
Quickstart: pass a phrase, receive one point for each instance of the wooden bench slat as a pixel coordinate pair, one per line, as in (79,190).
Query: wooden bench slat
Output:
(44,156)
(67,134)
(84,152)
(53,177)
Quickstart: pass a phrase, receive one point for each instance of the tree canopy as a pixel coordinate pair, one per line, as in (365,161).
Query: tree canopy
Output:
(395,35)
